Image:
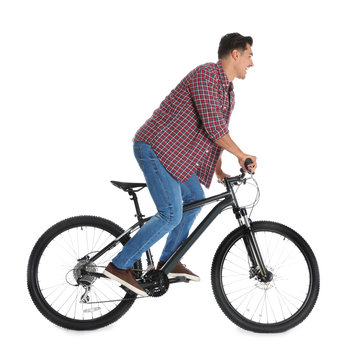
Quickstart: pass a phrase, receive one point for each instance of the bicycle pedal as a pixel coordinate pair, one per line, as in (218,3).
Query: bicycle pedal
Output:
(178,279)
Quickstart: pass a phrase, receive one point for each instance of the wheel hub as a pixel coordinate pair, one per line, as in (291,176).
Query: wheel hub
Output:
(263,282)
(81,278)
(267,278)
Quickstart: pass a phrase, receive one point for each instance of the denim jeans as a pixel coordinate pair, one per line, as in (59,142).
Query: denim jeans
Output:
(169,196)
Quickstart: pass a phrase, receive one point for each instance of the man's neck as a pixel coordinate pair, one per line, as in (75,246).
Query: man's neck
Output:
(226,65)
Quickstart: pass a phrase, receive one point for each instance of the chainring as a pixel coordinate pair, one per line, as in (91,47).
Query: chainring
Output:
(156,283)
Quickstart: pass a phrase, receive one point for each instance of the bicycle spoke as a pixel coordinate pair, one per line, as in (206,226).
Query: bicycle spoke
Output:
(247,307)
(71,304)
(239,257)
(232,292)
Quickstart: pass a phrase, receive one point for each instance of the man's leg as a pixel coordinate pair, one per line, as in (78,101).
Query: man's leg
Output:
(191,191)
(166,193)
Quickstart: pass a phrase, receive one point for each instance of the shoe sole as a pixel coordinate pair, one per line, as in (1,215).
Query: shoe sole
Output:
(190,277)
(126,284)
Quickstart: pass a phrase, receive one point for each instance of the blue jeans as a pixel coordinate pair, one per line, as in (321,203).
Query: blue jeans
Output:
(169,196)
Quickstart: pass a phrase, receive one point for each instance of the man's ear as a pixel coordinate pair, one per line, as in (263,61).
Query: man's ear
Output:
(235,54)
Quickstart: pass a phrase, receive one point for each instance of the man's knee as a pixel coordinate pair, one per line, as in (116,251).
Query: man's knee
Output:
(172,216)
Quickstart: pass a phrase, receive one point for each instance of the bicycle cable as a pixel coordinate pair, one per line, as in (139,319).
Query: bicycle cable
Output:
(258,193)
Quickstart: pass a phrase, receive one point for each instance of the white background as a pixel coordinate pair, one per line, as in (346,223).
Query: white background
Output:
(77,79)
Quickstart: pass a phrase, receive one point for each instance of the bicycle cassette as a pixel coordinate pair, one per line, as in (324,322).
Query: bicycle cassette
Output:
(156,283)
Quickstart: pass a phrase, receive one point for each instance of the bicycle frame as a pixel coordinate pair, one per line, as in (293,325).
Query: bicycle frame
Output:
(225,200)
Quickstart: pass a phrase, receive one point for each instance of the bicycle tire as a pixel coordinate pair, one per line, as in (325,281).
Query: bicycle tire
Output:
(49,241)
(228,261)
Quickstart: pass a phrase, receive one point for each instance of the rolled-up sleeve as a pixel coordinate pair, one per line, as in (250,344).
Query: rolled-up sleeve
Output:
(205,94)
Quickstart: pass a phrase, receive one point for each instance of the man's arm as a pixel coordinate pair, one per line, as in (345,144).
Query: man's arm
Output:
(204,91)
(219,172)
(228,144)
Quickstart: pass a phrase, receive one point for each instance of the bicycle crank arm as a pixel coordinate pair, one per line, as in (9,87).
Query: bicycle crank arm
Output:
(171,281)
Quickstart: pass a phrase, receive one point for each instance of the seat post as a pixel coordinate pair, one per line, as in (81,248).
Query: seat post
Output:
(137,206)
(150,263)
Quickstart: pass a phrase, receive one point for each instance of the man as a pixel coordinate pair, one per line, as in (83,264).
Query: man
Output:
(179,148)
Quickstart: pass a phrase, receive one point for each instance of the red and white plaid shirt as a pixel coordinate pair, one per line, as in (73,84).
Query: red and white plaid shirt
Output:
(183,130)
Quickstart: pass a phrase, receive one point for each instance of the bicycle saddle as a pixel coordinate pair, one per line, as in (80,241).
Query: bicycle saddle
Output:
(128,186)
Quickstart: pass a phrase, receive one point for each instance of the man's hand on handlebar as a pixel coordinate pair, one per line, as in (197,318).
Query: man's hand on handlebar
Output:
(248,165)
(221,175)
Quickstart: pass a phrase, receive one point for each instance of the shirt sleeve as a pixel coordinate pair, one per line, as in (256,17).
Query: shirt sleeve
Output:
(204,92)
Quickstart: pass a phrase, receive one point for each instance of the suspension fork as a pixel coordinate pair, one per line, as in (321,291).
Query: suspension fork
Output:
(250,241)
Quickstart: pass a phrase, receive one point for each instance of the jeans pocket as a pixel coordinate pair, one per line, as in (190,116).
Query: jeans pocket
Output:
(152,155)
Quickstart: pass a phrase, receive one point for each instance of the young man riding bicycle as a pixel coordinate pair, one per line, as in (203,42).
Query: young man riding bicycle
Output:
(179,148)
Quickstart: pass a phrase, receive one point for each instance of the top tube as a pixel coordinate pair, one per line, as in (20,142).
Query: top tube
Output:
(200,203)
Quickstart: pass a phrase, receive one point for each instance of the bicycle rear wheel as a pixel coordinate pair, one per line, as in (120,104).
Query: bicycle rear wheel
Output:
(266,307)
(56,282)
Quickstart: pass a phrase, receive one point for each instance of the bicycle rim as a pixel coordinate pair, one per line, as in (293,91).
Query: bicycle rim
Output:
(278,304)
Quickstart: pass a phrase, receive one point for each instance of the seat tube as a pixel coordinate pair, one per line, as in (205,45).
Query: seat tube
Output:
(140,217)
(150,263)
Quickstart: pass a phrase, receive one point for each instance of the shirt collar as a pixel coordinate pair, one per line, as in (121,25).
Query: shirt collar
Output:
(223,77)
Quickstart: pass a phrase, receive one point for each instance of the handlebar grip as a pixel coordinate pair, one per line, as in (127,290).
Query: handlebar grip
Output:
(247,162)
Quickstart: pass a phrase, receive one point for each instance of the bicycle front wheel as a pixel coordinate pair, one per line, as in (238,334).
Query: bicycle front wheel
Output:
(56,278)
(266,307)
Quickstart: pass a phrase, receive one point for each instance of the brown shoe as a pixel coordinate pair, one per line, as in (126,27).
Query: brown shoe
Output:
(180,270)
(124,277)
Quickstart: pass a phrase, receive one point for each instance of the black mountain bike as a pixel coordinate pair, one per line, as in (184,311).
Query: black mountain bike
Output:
(264,275)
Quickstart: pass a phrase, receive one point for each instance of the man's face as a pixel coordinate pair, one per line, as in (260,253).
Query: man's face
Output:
(243,62)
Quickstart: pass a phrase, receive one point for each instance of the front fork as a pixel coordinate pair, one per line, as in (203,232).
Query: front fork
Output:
(251,243)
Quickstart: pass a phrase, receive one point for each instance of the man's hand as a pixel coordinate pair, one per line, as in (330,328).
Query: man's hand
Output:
(252,167)
(228,144)
(221,175)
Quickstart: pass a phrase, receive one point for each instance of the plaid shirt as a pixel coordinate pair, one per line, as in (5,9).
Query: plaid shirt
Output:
(183,130)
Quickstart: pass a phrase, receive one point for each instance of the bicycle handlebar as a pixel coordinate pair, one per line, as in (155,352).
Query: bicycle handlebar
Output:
(239,178)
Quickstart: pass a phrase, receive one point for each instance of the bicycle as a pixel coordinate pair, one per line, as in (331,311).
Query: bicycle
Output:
(264,275)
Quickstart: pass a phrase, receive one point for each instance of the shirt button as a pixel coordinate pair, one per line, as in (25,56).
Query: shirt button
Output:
(207,151)
(224,107)
(197,164)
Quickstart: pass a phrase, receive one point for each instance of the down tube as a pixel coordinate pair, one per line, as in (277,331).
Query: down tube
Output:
(193,237)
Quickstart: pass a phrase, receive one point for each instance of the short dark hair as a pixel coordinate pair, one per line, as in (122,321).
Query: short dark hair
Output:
(231,42)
